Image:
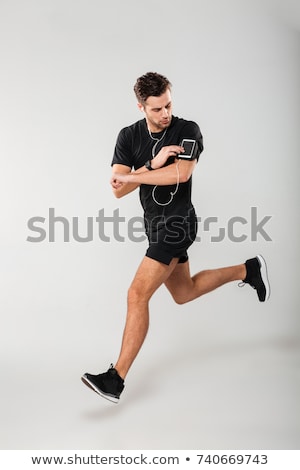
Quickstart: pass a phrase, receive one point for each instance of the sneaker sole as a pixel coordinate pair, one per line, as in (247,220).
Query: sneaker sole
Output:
(90,384)
(264,275)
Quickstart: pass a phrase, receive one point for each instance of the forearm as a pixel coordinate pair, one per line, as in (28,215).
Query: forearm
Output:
(124,180)
(126,188)
(171,174)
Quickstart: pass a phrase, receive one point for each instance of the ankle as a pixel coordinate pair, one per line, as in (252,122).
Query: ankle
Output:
(243,272)
(121,371)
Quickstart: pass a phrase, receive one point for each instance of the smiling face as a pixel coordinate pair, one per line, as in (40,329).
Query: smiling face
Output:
(158,111)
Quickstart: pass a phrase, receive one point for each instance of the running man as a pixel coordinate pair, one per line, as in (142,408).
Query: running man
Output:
(150,155)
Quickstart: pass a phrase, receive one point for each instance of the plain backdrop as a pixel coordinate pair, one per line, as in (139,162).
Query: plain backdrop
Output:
(221,372)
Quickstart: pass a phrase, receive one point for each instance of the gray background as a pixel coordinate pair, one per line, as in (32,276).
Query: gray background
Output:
(221,372)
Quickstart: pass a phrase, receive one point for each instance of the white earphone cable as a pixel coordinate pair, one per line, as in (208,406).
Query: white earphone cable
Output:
(172,193)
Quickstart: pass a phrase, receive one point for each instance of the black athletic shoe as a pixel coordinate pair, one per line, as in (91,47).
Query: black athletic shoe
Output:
(109,385)
(257,277)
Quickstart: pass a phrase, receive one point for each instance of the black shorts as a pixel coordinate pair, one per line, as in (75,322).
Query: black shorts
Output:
(172,240)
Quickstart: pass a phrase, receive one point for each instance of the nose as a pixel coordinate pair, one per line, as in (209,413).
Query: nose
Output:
(165,112)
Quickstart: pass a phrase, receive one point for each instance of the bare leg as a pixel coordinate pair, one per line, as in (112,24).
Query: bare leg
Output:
(185,288)
(150,275)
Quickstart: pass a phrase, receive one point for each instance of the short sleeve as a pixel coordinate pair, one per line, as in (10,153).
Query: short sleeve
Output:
(123,149)
(192,131)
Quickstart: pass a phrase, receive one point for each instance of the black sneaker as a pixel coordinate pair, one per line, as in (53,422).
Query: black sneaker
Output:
(109,385)
(257,277)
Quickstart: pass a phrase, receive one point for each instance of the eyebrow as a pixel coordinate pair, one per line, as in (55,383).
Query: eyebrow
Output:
(158,109)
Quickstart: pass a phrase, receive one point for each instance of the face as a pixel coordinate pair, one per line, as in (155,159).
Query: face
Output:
(158,111)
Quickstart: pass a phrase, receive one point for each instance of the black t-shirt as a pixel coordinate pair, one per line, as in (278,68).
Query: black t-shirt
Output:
(134,147)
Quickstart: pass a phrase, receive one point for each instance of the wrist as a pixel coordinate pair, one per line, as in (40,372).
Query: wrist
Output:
(148,165)
(154,164)
(132,178)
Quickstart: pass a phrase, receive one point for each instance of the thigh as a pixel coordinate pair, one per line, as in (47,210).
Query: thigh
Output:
(179,281)
(151,274)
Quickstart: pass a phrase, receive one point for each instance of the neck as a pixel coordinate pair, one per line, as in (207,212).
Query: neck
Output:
(157,130)
(154,128)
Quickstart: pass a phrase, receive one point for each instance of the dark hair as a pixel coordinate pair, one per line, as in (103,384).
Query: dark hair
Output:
(150,84)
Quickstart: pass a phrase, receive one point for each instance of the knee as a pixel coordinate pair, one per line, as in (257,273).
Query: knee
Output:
(137,294)
(184,297)
(179,299)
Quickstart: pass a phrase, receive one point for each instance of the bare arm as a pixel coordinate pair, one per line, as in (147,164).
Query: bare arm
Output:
(161,177)
(122,180)
(121,188)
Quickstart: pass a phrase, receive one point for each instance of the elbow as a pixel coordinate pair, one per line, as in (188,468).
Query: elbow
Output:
(117,193)
(185,171)
(184,177)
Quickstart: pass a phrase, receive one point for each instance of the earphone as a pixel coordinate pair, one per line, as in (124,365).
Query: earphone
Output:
(172,193)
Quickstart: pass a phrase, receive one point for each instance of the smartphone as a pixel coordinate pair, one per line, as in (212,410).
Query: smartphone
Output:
(190,148)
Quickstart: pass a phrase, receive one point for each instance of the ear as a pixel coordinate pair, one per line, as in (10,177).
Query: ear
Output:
(140,106)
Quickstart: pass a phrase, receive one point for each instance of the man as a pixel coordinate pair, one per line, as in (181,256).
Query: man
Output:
(149,155)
